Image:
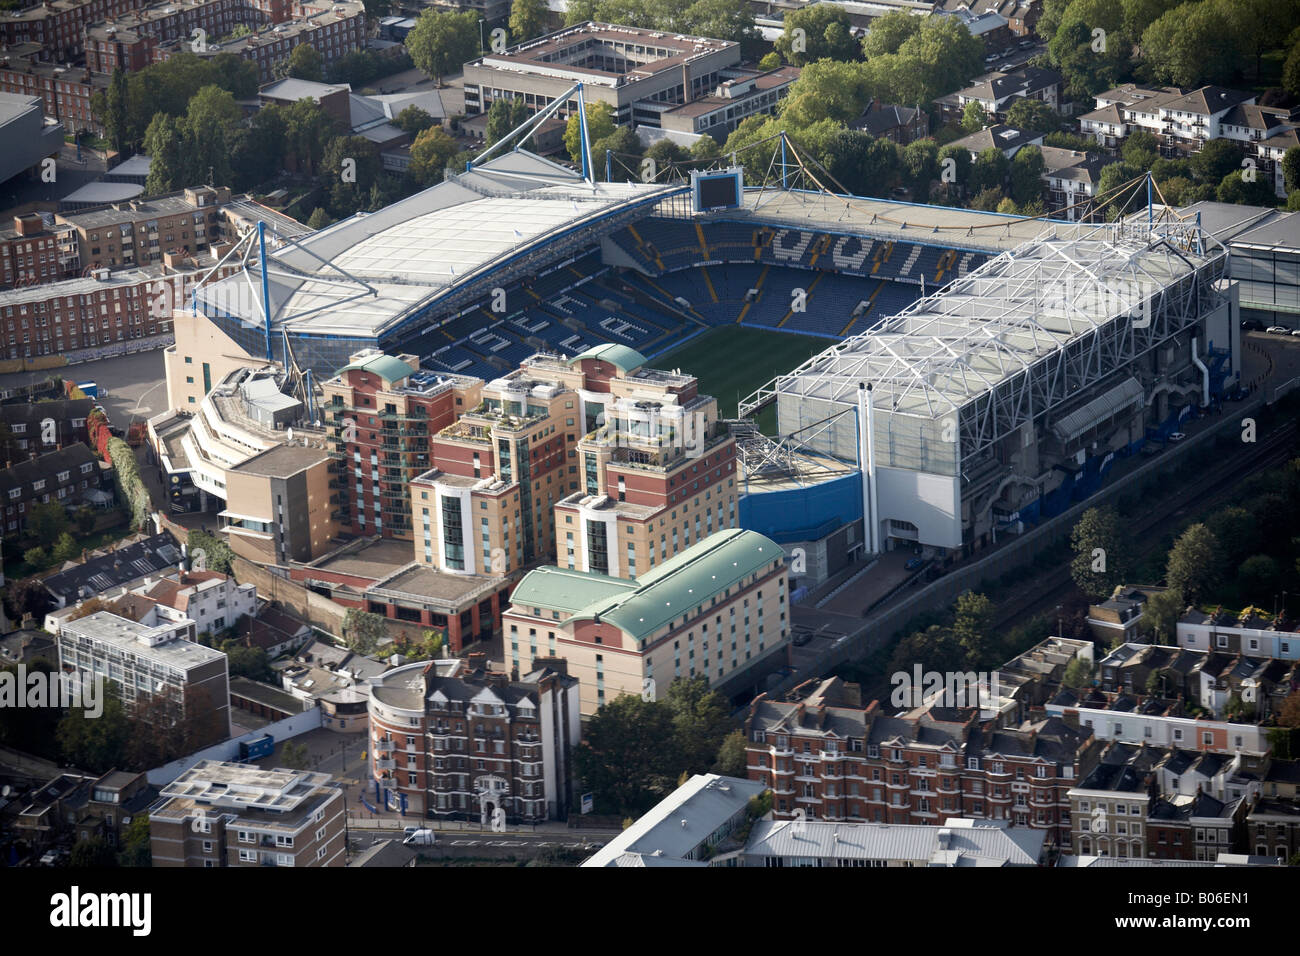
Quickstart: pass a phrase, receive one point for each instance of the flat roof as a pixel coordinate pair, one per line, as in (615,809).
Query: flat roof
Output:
(282,461)
(103,192)
(375,560)
(107,628)
(420,582)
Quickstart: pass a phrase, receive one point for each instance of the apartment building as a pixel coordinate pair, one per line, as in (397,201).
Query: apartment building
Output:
(716,609)
(1118,617)
(451,741)
(149,662)
(32,252)
(213,601)
(57,25)
(140,232)
(232,814)
(1252,632)
(65,476)
(43,426)
(1071,179)
(825,753)
(382,412)
(638,73)
(741,94)
(1273,818)
(117,569)
(996,91)
(65,92)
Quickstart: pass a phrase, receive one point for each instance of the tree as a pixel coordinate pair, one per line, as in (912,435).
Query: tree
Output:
(442,43)
(580,11)
(65,549)
(723,20)
(1237,533)
(1160,614)
(628,755)
(92,853)
(527,18)
(624,165)
(732,758)
(97,744)
(1078,673)
(305,63)
(954,167)
(1192,45)
(308,130)
(1140,149)
(863,164)
(1215,159)
(47,520)
(216,553)
(1291,73)
(973,117)
(29,728)
(989,170)
(115,111)
(503,117)
(701,720)
(1027,175)
(413,121)
(600,123)
(211,119)
(665,153)
(136,844)
(431,154)
(1089,61)
(935,649)
(1289,714)
(1258,579)
(972,624)
(247,661)
(319,218)
(1112,200)
(294,755)
(826,34)
(37,558)
(1191,569)
(351,165)
(1256,192)
(888,33)
(1033,115)
(26,596)
(1102,554)
(1291,169)
(705,149)
(363,630)
(770,61)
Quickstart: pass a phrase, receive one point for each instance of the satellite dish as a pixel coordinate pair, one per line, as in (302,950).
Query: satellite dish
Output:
(5,791)
(289,432)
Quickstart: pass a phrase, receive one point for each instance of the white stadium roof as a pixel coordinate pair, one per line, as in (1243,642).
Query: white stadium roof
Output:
(364,275)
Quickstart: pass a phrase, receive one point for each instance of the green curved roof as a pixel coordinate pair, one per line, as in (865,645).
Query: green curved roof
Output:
(669,591)
(621,356)
(387,367)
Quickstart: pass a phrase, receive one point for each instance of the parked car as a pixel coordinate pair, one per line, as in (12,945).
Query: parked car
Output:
(1026,44)
(1295,332)
(801,638)
(992,58)
(1278,330)
(421,837)
(1176,436)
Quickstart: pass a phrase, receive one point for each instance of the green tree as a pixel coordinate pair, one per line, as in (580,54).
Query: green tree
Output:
(308,130)
(216,553)
(1291,73)
(972,624)
(1027,175)
(503,117)
(305,63)
(731,755)
(955,167)
(363,630)
(26,596)
(1078,673)
(701,721)
(1237,533)
(1291,168)
(116,111)
(1140,149)
(1215,160)
(431,153)
(769,61)
(1191,568)
(351,165)
(705,148)
(319,219)
(628,755)
(723,20)
(1193,44)
(96,743)
(1259,579)
(889,33)
(989,170)
(1102,552)
(1090,61)
(47,520)
(527,18)
(1257,192)
(37,558)
(863,164)
(137,849)
(936,649)
(294,755)
(413,121)
(919,162)
(1115,192)
(441,43)
(580,11)
(65,549)
(1034,115)
(626,148)
(973,117)
(1160,614)
(826,34)
(92,853)
(600,123)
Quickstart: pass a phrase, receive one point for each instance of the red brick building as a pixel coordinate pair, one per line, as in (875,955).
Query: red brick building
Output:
(31,254)
(827,754)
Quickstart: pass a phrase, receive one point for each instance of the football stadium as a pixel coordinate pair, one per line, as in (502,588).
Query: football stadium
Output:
(982,371)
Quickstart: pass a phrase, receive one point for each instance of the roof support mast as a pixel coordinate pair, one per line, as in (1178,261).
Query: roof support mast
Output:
(530,126)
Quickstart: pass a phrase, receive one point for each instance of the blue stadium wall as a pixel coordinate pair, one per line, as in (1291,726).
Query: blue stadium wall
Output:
(803,514)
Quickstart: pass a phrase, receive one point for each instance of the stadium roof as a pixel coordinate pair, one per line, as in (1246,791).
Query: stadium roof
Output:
(944,226)
(365,275)
(997,321)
